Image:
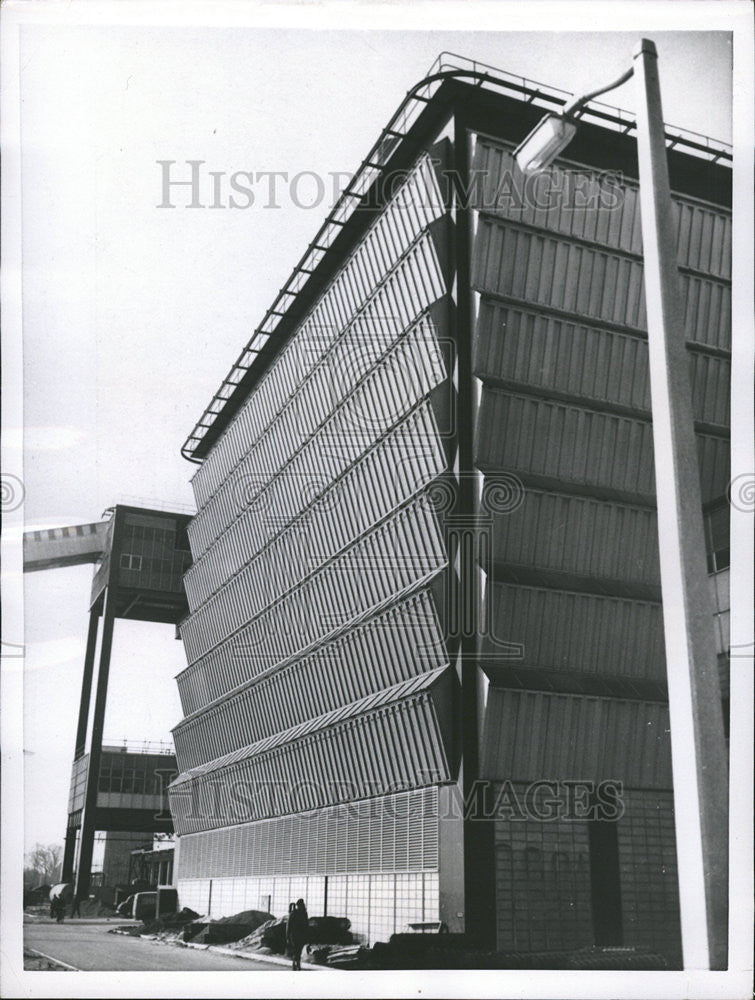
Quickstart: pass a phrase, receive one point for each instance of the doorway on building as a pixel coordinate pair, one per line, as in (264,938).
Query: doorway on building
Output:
(605,882)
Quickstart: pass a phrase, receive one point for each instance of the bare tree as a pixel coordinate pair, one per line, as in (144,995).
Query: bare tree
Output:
(45,861)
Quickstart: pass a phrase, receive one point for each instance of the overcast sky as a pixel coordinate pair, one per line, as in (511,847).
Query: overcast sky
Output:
(133,313)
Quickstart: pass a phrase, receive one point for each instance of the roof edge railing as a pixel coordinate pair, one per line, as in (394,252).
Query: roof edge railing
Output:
(446,67)
(151,503)
(161,748)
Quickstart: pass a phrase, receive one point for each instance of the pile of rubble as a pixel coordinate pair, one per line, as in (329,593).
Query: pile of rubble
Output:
(169,927)
(325,934)
(331,940)
(227,930)
(333,944)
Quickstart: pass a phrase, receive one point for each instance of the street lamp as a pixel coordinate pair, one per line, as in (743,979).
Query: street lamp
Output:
(698,746)
(553,133)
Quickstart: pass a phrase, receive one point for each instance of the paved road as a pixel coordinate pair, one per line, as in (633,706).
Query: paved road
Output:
(88,946)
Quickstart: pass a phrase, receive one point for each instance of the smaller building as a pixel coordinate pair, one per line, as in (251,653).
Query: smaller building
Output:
(152,865)
(131,807)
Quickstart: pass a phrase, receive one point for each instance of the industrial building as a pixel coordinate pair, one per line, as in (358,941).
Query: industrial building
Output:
(426,676)
(118,794)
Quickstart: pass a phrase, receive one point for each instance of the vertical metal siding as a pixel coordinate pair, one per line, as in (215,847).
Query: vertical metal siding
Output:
(564,441)
(541,269)
(305,475)
(574,444)
(398,226)
(579,535)
(399,305)
(603,366)
(603,209)
(200,630)
(578,632)
(533,735)
(337,762)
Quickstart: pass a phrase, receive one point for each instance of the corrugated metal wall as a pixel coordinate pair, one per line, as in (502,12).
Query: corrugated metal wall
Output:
(533,735)
(561,350)
(593,539)
(396,833)
(523,347)
(599,208)
(356,399)
(313,642)
(579,632)
(350,299)
(358,506)
(408,549)
(398,644)
(342,509)
(372,751)
(573,444)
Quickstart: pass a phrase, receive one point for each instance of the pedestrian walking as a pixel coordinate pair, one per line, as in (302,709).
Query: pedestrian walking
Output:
(289,929)
(297,931)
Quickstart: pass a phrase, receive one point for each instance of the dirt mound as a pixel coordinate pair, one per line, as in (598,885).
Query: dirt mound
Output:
(270,935)
(332,932)
(167,927)
(251,917)
(226,930)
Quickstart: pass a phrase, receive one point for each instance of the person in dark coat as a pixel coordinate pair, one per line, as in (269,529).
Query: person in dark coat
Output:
(289,927)
(297,931)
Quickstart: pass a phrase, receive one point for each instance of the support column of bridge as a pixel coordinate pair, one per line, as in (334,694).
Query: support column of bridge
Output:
(95,751)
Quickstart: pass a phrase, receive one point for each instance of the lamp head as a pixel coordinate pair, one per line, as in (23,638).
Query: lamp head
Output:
(547,139)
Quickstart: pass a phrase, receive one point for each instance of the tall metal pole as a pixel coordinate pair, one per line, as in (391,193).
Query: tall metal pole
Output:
(698,747)
(81,734)
(86,686)
(69,852)
(95,748)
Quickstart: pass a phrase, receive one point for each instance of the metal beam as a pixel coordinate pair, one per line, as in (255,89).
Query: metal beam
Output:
(68,855)
(95,750)
(698,747)
(478,832)
(86,686)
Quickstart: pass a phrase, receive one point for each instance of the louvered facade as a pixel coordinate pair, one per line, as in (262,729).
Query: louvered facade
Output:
(425,555)
(319,695)
(560,352)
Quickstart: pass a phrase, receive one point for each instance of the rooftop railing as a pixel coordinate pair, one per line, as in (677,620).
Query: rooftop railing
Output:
(447,66)
(139,746)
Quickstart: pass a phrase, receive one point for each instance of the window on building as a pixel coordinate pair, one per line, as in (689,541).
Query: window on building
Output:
(129,561)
